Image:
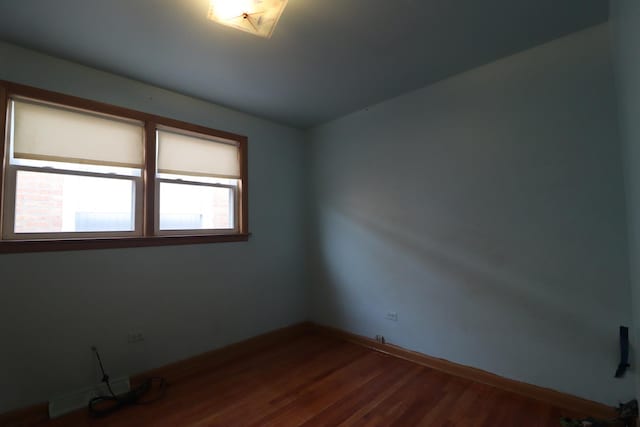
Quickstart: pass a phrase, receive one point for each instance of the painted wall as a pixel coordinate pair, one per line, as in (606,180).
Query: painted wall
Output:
(625,21)
(185,299)
(487,210)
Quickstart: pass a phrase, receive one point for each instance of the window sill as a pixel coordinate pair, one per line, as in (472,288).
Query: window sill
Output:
(17,246)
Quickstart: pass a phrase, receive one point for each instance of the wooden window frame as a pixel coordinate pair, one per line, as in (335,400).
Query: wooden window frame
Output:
(151,123)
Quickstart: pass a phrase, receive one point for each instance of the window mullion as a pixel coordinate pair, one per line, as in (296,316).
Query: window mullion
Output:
(9,193)
(149,182)
(242,212)
(4,103)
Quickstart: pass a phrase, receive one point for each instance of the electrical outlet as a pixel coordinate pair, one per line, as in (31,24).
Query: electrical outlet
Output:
(134,337)
(392,315)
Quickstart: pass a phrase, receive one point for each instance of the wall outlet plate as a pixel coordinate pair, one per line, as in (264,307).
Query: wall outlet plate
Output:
(134,337)
(69,402)
(392,315)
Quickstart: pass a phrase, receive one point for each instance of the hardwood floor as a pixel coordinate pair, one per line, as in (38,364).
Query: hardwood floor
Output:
(317,380)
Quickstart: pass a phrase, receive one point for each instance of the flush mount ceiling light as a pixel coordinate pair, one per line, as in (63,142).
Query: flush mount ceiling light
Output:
(257,17)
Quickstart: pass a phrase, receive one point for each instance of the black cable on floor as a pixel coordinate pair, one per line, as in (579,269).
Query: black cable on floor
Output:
(102,406)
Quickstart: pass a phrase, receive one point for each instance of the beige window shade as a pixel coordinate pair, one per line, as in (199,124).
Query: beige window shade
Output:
(189,155)
(45,132)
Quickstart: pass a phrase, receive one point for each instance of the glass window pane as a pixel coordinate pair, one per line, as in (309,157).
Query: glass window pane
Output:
(54,203)
(195,207)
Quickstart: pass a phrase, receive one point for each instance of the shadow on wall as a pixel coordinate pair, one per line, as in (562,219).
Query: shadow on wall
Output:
(472,307)
(487,210)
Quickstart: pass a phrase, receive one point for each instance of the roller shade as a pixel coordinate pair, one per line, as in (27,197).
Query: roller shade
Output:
(190,155)
(45,132)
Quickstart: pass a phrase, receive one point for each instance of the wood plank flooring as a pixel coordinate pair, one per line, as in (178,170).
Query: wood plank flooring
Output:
(317,380)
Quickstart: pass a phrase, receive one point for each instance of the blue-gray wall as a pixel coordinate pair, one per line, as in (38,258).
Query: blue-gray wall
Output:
(487,210)
(625,25)
(185,299)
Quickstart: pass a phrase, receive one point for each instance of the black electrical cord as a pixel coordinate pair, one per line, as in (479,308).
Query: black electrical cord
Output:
(102,406)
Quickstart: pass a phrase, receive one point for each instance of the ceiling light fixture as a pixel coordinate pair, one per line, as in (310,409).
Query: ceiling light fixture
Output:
(257,17)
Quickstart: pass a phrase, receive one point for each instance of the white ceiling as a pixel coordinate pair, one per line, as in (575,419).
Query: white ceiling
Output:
(325,59)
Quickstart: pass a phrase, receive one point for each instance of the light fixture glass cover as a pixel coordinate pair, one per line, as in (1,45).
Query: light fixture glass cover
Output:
(258,17)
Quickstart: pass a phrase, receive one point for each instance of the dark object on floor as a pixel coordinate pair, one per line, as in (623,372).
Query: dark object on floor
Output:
(628,410)
(627,414)
(102,406)
(624,352)
(589,422)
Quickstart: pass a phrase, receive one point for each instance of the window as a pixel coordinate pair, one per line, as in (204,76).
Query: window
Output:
(71,173)
(81,174)
(197,183)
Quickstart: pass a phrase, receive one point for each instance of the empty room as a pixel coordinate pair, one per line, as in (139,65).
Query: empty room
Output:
(319,213)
